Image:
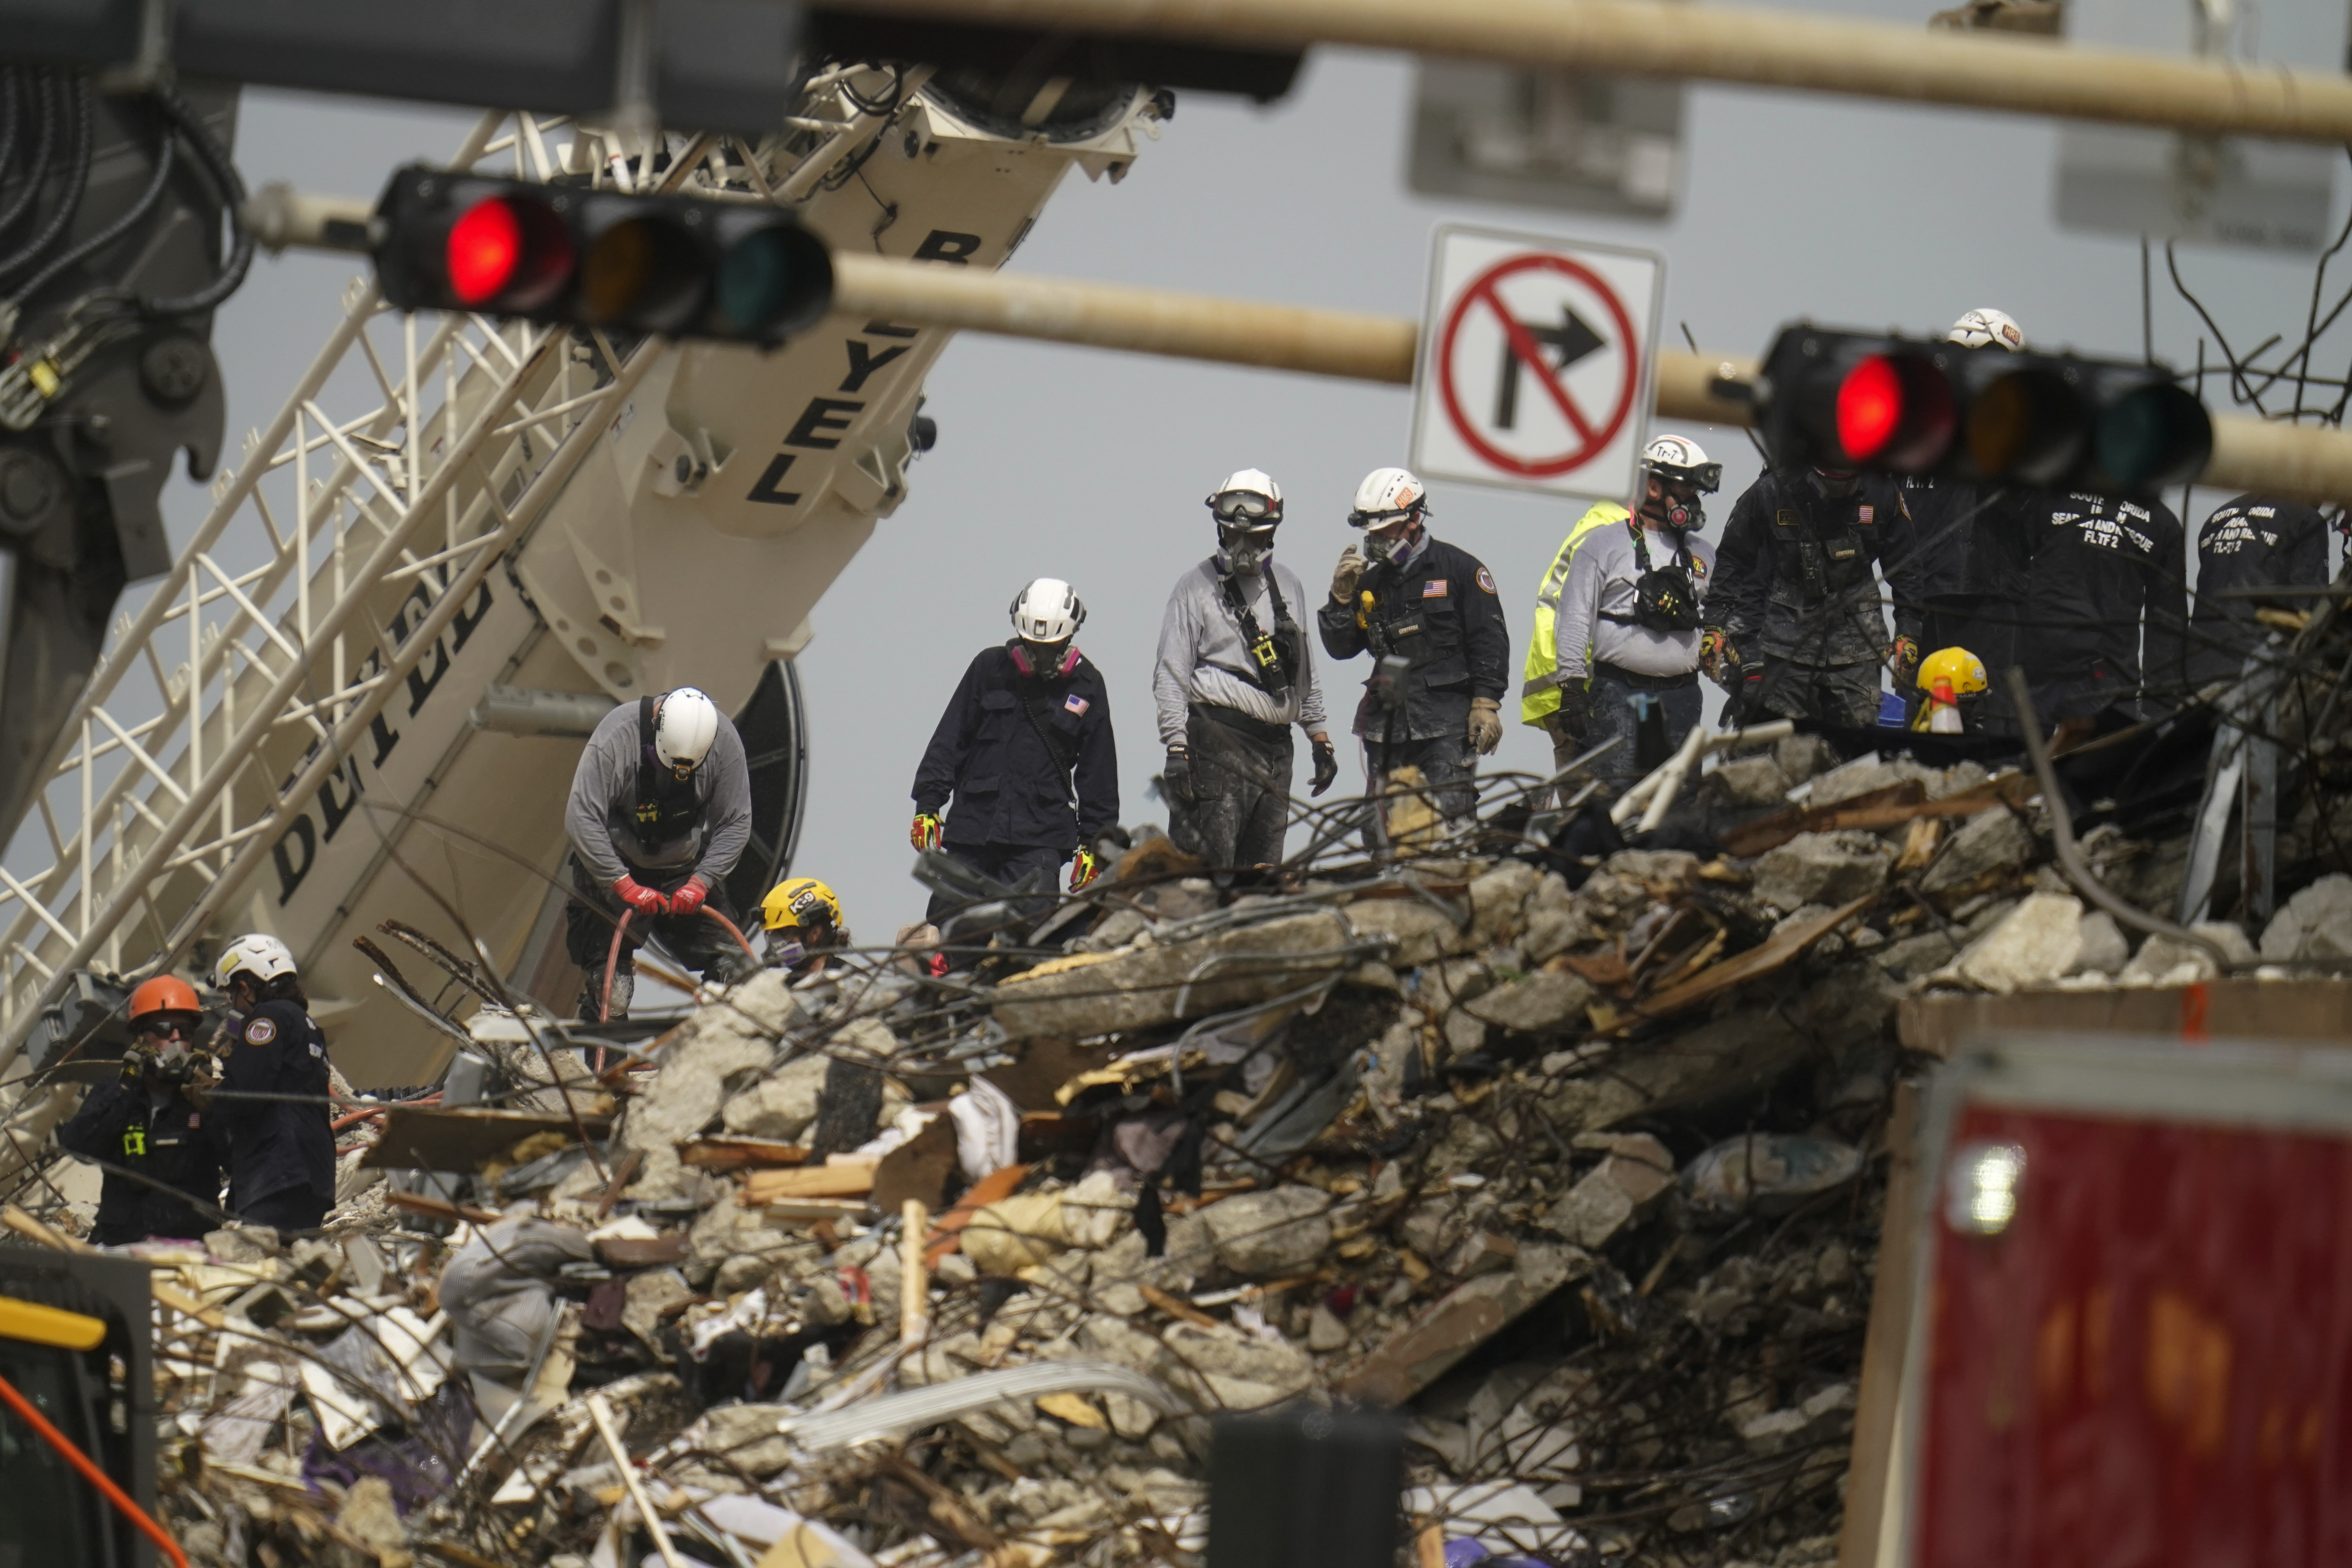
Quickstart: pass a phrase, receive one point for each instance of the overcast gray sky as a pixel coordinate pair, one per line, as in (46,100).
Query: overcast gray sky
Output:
(1092,466)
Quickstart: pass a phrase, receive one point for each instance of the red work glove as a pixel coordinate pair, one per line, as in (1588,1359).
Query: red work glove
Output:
(639,897)
(689,898)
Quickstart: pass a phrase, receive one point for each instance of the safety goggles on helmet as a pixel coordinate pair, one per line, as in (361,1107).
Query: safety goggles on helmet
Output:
(1245,506)
(1383,519)
(1706,476)
(164,1026)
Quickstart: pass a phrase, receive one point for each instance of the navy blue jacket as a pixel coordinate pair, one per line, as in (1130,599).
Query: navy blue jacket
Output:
(120,1124)
(1441,612)
(1008,787)
(2104,610)
(2251,541)
(275,1144)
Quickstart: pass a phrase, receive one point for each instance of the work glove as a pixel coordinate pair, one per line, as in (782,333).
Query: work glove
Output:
(1903,658)
(925,834)
(1574,719)
(1717,659)
(689,898)
(1344,576)
(1085,867)
(639,897)
(1176,777)
(1744,702)
(1327,763)
(1485,727)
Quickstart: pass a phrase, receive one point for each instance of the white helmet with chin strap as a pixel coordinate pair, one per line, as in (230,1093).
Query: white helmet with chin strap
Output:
(257,953)
(686,722)
(1047,611)
(1247,505)
(1987,327)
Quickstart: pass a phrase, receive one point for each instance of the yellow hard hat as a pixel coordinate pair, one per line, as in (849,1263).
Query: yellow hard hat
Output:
(1964,669)
(800,903)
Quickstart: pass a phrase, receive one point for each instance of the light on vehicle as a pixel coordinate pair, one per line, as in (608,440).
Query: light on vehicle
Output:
(1981,1196)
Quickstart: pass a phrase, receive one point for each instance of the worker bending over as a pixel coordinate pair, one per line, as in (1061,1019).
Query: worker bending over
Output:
(660,812)
(1233,674)
(1432,607)
(269,1105)
(1619,633)
(1024,751)
(160,1166)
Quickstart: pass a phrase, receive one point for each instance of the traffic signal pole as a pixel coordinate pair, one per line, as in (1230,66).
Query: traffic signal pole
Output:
(1751,47)
(2304,462)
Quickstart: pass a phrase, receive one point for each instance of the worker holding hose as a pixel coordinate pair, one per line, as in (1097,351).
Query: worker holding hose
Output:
(660,812)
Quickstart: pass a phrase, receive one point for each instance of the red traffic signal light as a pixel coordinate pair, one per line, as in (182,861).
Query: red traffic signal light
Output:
(1849,400)
(672,265)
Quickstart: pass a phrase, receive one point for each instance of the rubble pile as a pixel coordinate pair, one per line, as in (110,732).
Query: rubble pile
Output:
(1577,1162)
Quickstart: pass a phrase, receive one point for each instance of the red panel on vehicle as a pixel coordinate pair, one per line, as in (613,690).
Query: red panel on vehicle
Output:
(2152,1364)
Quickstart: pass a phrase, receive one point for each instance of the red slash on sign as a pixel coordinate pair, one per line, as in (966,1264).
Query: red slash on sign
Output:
(1524,347)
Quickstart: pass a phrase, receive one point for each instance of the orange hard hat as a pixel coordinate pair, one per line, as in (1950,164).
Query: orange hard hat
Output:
(164,994)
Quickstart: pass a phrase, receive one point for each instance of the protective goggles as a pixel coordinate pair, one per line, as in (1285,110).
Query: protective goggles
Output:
(163,1026)
(1706,476)
(1383,519)
(1244,506)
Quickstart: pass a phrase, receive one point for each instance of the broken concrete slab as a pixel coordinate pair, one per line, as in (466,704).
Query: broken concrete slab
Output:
(781,1106)
(1993,849)
(2035,945)
(1636,1172)
(1459,1322)
(2317,923)
(1823,868)
(1087,996)
(1533,1002)
(1270,1234)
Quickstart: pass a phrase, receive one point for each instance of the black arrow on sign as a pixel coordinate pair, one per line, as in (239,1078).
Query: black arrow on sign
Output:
(1571,338)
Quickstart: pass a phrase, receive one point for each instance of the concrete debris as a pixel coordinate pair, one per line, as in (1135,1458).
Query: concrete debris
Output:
(900,1266)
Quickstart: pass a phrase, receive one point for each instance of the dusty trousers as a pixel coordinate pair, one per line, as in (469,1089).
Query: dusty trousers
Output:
(1842,694)
(1618,698)
(1240,789)
(1448,770)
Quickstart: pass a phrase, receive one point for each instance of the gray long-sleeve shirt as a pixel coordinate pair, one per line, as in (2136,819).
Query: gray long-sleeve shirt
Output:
(1600,579)
(601,815)
(1202,652)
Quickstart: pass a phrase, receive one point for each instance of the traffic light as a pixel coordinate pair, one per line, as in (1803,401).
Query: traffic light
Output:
(1851,400)
(671,266)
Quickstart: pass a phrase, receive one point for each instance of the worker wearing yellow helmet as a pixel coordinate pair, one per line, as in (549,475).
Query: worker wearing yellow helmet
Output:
(1948,679)
(802,918)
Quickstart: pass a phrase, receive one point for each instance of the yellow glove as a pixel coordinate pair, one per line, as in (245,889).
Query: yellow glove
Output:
(1085,867)
(1903,658)
(1717,658)
(1485,728)
(925,834)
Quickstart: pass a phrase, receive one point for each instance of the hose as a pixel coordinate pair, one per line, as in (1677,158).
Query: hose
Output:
(43,113)
(613,955)
(90,1472)
(77,183)
(132,216)
(735,932)
(221,170)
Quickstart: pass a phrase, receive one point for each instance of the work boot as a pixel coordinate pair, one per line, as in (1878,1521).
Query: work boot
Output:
(625,987)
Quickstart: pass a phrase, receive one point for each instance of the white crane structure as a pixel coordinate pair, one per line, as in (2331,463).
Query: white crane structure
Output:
(359,692)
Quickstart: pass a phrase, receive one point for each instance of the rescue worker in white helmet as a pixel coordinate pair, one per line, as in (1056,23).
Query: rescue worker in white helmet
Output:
(1432,607)
(660,812)
(1621,633)
(269,1107)
(1973,541)
(1233,674)
(1024,752)
(802,919)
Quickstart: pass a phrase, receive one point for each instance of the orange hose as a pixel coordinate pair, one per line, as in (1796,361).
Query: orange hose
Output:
(356,1117)
(733,931)
(91,1473)
(612,961)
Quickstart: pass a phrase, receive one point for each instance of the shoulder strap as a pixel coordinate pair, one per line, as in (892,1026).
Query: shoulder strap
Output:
(1034,705)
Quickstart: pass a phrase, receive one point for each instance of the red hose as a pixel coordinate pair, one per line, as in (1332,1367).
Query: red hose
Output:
(90,1472)
(734,932)
(612,961)
(357,1117)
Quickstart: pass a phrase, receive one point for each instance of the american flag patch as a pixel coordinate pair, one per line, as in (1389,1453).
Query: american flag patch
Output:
(1869,514)
(1433,589)
(1076,704)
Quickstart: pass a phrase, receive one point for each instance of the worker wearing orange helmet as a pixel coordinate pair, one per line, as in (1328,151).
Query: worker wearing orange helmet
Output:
(162,1163)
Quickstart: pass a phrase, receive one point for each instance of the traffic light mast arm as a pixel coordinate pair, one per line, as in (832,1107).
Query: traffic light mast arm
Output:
(1755,48)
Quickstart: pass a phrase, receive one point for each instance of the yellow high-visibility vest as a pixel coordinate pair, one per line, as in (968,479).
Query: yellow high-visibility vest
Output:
(1539,690)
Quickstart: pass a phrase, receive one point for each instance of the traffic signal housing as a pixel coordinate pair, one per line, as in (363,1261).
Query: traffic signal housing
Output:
(1852,400)
(669,266)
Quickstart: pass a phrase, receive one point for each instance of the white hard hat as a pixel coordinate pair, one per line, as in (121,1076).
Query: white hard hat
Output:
(1047,611)
(1679,457)
(686,722)
(1386,495)
(257,953)
(1250,497)
(1986,328)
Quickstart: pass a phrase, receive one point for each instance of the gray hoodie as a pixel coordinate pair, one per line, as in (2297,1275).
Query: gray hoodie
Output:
(601,815)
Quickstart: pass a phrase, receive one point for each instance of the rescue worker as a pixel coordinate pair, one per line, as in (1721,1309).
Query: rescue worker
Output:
(1024,749)
(1796,603)
(1617,624)
(802,918)
(1972,542)
(2250,541)
(270,1104)
(1233,674)
(161,1167)
(1433,607)
(2105,617)
(659,813)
